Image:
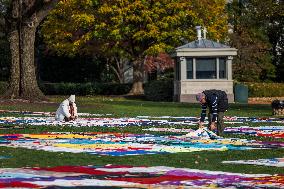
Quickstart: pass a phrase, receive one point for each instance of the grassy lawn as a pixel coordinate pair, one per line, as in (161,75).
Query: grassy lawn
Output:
(121,107)
(210,160)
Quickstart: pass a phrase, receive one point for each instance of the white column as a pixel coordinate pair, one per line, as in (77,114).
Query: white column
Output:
(194,67)
(217,68)
(182,68)
(229,67)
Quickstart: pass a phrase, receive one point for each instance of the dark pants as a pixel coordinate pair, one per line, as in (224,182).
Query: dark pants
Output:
(220,122)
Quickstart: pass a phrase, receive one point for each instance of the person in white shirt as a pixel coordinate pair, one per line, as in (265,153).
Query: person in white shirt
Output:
(67,110)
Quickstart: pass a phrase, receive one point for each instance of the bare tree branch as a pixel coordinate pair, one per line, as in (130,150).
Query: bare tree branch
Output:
(116,73)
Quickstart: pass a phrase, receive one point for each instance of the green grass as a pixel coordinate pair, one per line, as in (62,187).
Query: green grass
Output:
(121,107)
(206,160)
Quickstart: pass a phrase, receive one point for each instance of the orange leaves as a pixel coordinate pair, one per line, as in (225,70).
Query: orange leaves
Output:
(162,61)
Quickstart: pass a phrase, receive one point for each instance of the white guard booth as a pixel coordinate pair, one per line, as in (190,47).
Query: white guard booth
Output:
(201,65)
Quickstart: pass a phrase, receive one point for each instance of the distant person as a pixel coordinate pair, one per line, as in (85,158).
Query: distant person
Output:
(67,110)
(217,102)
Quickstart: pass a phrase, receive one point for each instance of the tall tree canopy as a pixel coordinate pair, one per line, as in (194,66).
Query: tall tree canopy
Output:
(134,28)
(22,17)
(258,34)
(69,28)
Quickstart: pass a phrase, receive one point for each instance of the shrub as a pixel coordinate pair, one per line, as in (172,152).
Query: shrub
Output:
(159,90)
(265,89)
(83,89)
(3,86)
(115,89)
(59,88)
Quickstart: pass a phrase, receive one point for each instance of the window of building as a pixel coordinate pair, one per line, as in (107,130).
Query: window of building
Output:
(178,70)
(189,68)
(222,68)
(206,68)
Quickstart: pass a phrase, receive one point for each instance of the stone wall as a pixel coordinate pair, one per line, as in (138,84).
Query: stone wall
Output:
(185,91)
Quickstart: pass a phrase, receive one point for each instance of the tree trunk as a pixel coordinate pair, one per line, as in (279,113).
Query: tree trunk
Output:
(22,20)
(138,78)
(14,84)
(29,87)
(23,82)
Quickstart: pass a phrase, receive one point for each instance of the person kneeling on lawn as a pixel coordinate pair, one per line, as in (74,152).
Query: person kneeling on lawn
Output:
(67,110)
(217,102)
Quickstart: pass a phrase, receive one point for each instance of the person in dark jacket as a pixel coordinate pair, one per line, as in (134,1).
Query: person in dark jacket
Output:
(217,102)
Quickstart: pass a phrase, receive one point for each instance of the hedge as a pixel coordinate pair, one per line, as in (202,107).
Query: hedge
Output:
(3,86)
(265,89)
(83,89)
(159,90)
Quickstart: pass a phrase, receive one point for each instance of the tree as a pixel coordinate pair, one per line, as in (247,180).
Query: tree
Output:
(270,15)
(22,19)
(258,34)
(69,28)
(251,63)
(137,28)
(143,28)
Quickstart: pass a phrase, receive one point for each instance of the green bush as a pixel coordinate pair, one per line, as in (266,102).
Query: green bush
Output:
(265,89)
(59,88)
(83,89)
(115,89)
(3,86)
(159,90)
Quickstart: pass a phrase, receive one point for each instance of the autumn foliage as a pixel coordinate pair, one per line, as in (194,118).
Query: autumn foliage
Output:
(140,30)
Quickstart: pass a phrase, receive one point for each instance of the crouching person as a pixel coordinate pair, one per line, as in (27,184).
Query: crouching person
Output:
(217,102)
(67,110)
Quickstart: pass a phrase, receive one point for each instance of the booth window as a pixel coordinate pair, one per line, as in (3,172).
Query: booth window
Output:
(206,68)
(222,68)
(189,68)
